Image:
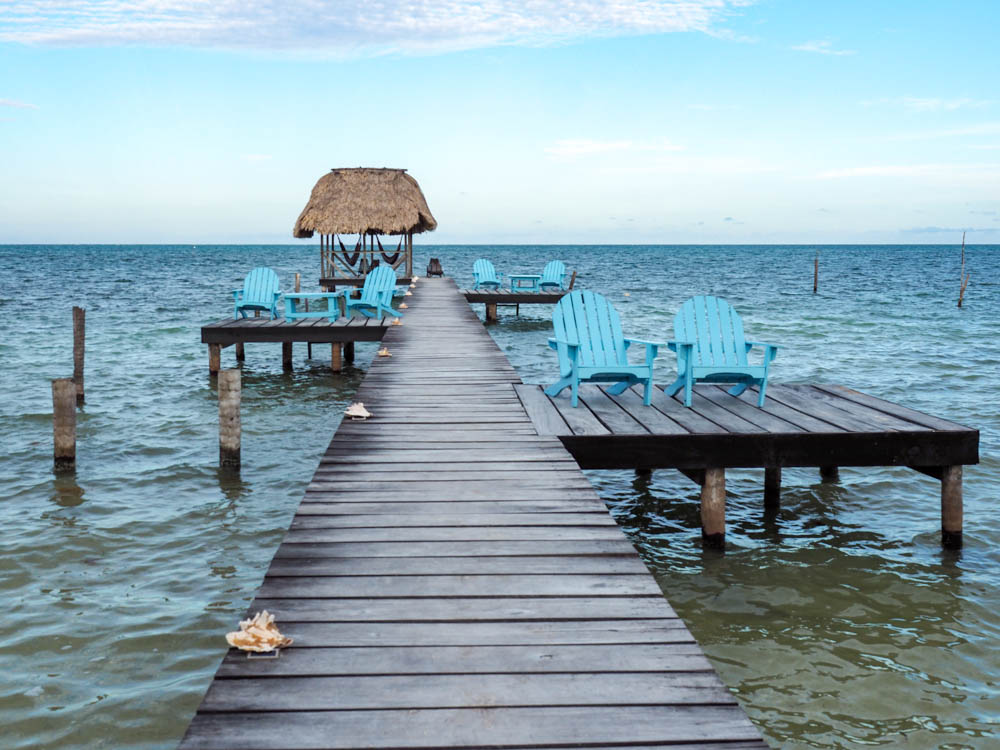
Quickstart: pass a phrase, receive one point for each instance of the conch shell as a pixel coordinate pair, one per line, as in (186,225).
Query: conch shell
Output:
(397,322)
(415,279)
(408,294)
(403,306)
(413,286)
(259,633)
(384,352)
(357,410)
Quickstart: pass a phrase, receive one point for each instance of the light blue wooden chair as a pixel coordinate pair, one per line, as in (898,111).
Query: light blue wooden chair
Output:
(711,348)
(485,274)
(553,276)
(261,291)
(376,294)
(591,347)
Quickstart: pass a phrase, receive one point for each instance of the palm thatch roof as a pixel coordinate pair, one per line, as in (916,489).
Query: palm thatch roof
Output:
(353,201)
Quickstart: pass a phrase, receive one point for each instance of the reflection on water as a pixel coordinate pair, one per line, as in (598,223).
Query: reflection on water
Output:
(836,618)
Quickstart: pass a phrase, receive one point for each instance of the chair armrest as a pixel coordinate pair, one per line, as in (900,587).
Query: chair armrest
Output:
(770,350)
(643,341)
(555,343)
(672,345)
(751,344)
(237,293)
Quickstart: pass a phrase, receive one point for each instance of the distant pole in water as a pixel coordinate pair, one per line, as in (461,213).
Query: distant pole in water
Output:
(572,280)
(79,337)
(64,424)
(816,273)
(229,419)
(963,276)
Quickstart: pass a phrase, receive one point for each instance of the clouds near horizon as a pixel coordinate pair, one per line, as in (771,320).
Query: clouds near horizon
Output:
(349,28)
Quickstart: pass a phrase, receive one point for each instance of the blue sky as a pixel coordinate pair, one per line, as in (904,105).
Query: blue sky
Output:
(639,121)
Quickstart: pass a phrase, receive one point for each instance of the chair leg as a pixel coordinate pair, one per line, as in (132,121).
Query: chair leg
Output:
(558,387)
(737,389)
(671,389)
(760,398)
(688,390)
(647,394)
(575,400)
(619,388)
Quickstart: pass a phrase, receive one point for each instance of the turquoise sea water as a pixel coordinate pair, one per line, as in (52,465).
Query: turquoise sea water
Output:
(840,623)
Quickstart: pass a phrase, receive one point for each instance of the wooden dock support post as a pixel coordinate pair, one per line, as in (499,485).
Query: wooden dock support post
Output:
(772,487)
(713,508)
(572,281)
(336,357)
(951,507)
(643,473)
(349,351)
(286,355)
(241,353)
(229,419)
(829,474)
(79,340)
(816,273)
(214,359)
(491,312)
(64,424)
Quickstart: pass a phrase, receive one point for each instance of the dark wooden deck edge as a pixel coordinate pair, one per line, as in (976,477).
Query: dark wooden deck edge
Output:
(507,297)
(310,330)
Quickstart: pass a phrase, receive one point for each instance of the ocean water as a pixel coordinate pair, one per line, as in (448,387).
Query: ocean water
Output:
(838,623)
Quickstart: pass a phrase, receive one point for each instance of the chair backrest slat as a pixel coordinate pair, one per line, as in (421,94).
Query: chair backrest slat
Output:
(259,287)
(715,329)
(553,272)
(484,271)
(377,282)
(588,320)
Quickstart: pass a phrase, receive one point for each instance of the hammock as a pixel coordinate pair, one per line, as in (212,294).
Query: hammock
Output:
(350,259)
(390,259)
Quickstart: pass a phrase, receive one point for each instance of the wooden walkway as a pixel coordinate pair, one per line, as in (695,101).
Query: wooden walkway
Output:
(825,426)
(451,579)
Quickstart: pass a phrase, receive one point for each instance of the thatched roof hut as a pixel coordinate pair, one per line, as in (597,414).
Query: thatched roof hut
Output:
(365,201)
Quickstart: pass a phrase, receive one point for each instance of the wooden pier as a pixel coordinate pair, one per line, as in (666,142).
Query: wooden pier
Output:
(451,579)
(824,426)
(494,297)
(341,334)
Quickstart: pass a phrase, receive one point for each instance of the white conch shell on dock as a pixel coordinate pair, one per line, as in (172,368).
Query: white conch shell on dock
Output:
(397,322)
(415,279)
(627,294)
(259,633)
(413,286)
(403,306)
(384,352)
(357,410)
(409,294)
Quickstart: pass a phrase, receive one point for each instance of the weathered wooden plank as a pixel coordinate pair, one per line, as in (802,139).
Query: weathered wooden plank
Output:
(332,503)
(622,564)
(544,416)
(451,520)
(407,534)
(453,548)
(479,727)
(902,412)
(395,587)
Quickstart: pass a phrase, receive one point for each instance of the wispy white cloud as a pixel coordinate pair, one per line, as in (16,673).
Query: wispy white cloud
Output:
(918,104)
(16,104)
(822,47)
(350,27)
(573,147)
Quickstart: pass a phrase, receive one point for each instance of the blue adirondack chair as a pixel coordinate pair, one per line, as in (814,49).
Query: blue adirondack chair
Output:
(553,276)
(485,274)
(711,348)
(376,295)
(592,349)
(261,291)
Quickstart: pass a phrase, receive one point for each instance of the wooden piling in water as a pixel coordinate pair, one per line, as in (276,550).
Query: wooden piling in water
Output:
(79,342)
(491,312)
(951,507)
(572,281)
(713,508)
(64,424)
(229,418)
(772,487)
(286,355)
(214,359)
(349,351)
(816,273)
(336,358)
(241,353)
(829,473)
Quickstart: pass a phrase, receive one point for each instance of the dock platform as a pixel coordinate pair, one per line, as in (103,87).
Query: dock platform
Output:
(493,297)
(452,580)
(823,426)
(341,334)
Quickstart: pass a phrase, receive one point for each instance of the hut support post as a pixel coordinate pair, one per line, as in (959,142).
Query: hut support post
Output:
(214,359)
(349,351)
(241,353)
(79,341)
(951,507)
(409,255)
(713,508)
(336,358)
(772,487)
(64,424)
(229,419)
(286,355)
